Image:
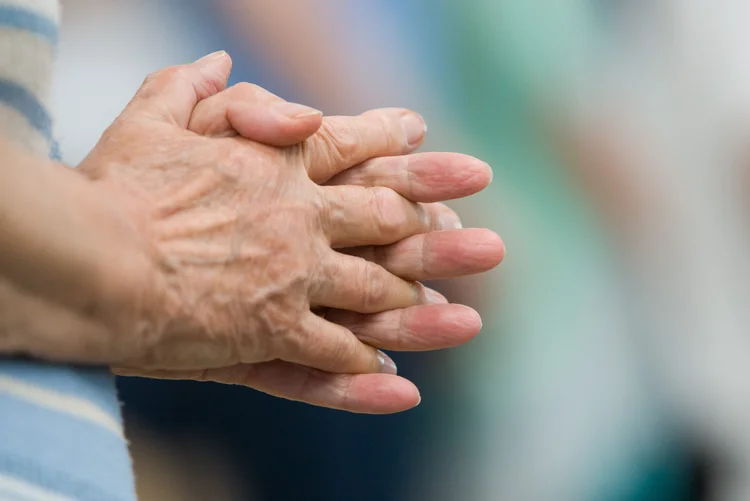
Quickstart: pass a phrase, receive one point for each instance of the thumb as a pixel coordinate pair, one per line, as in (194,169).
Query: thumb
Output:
(256,114)
(172,93)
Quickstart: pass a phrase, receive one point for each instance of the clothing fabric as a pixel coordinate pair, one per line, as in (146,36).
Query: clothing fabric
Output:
(61,433)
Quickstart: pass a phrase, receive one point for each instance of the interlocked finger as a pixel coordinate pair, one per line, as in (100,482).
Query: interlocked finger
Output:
(329,347)
(352,283)
(437,255)
(343,142)
(421,177)
(357,216)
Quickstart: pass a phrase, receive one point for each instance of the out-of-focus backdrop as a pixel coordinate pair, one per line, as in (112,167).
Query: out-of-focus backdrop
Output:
(614,363)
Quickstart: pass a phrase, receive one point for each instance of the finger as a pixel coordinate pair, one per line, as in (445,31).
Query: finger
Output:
(378,216)
(442,217)
(329,347)
(438,254)
(361,393)
(351,283)
(344,142)
(422,177)
(172,93)
(418,328)
(256,114)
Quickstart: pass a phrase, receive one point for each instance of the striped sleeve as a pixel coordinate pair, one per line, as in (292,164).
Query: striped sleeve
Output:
(28,36)
(61,434)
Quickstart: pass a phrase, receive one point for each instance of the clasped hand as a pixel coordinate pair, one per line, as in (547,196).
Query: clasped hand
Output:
(271,247)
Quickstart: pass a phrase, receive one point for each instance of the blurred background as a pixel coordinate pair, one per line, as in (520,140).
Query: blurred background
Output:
(614,363)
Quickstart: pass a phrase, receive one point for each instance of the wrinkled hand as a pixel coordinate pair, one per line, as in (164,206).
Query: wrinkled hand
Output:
(237,288)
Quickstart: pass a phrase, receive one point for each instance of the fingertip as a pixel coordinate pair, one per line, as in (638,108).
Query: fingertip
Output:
(455,253)
(486,172)
(215,68)
(382,394)
(435,327)
(482,246)
(436,176)
(464,321)
(495,247)
(472,320)
(474,173)
(219,55)
(276,126)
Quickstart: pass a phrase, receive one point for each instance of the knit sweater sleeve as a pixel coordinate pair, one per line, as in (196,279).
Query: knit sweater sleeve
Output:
(61,434)
(28,37)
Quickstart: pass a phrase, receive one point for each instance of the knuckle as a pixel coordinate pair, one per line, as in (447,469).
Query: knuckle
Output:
(289,344)
(170,73)
(322,266)
(375,285)
(321,210)
(340,138)
(390,134)
(150,78)
(156,79)
(388,211)
(341,350)
(365,174)
(385,123)
(147,87)
(244,90)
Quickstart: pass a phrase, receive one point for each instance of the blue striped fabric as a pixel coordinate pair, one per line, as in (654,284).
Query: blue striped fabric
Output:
(24,102)
(93,384)
(61,435)
(62,453)
(17,96)
(28,20)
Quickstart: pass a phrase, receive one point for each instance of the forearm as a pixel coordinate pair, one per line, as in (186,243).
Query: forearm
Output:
(58,242)
(32,326)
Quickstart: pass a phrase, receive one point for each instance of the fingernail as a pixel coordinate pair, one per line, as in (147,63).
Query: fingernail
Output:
(214,55)
(434,297)
(294,110)
(387,366)
(492,173)
(450,221)
(414,127)
(447,218)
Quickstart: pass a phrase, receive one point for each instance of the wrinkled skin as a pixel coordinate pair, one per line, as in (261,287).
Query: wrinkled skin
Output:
(228,284)
(215,287)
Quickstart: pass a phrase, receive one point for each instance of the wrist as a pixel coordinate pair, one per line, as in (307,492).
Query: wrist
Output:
(65,240)
(33,327)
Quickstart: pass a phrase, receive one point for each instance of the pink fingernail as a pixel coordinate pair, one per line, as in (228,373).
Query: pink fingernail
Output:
(294,110)
(414,128)
(214,55)
(434,297)
(450,221)
(387,365)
